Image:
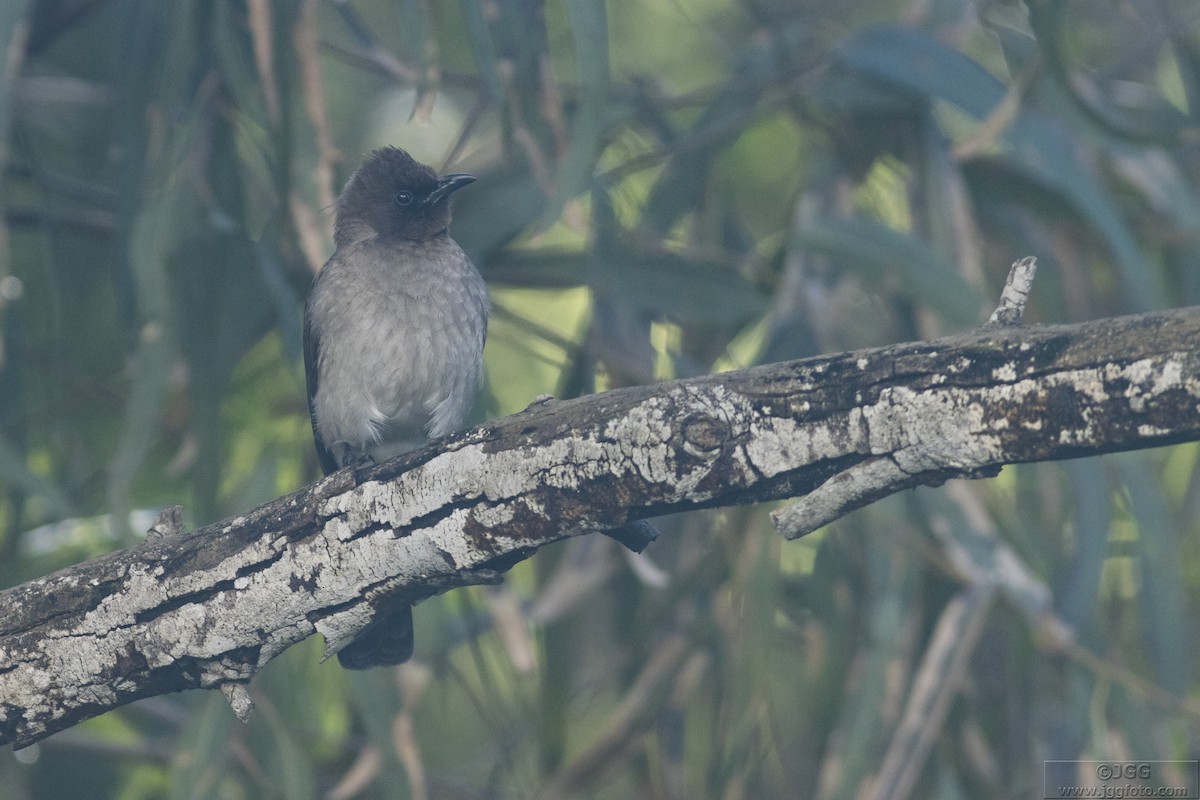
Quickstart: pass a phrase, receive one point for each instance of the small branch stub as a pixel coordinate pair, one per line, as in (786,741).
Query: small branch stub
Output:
(239,700)
(1016,293)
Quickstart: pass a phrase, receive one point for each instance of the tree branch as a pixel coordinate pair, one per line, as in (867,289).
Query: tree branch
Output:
(209,608)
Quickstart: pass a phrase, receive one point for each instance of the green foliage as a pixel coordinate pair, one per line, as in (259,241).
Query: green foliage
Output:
(665,189)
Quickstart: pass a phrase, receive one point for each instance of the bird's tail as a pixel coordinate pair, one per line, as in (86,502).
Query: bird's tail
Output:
(386,641)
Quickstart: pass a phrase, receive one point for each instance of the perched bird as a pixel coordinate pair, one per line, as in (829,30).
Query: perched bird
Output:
(394,329)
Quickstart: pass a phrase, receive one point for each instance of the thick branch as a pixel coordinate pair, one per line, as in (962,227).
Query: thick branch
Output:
(211,607)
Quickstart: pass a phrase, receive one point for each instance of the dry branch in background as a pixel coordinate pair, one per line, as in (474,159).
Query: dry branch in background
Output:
(209,608)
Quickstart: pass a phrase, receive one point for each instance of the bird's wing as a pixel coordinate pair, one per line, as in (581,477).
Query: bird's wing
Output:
(312,350)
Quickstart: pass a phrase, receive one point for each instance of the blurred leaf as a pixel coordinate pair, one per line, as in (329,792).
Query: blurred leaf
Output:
(915,60)
(1126,108)
(878,252)
(153,230)
(232,54)
(1166,189)
(151,367)
(1188,57)
(199,765)
(1165,624)
(291,768)
(377,701)
(686,288)
(1080,590)
(14,30)
(15,472)
(499,206)
(682,181)
(421,51)
(1040,146)
(589,29)
(884,658)
(478,33)
(537,269)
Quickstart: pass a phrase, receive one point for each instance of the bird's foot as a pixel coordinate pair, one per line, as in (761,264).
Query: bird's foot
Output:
(359,462)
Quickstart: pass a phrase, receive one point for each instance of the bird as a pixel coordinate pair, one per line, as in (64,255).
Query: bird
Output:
(394,329)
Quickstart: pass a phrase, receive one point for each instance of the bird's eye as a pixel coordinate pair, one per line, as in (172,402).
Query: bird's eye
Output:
(404,198)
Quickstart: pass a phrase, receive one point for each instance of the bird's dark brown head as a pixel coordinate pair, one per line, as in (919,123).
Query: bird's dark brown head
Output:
(393,195)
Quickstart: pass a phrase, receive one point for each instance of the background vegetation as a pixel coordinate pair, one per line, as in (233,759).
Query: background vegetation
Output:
(666,189)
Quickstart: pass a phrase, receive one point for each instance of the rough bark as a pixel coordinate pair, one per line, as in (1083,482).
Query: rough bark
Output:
(209,608)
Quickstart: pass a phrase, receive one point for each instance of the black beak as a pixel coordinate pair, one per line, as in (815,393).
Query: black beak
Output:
(447,185)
